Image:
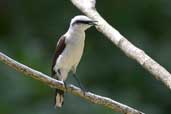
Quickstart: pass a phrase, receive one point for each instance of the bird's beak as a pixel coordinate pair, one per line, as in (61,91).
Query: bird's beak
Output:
(94,23)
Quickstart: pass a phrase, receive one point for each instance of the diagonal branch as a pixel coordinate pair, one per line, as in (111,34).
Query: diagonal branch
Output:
(96,99)
(159,72)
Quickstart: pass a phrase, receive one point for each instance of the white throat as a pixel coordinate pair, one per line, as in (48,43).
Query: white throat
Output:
(76,31)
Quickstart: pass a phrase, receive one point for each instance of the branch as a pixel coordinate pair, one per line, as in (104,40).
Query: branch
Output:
(96,99)
(159,72)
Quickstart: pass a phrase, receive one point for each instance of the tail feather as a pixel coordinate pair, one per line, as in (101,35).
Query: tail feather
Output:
(59,98)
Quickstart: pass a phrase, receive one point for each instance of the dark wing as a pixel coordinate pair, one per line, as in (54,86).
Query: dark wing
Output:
(59,49)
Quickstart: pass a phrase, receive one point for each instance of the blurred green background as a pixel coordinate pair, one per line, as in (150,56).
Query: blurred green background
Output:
(29,30)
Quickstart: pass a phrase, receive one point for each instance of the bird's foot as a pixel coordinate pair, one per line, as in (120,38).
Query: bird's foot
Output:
(65,85)
(83,89)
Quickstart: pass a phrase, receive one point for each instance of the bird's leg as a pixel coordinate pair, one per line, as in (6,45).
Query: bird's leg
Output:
(59,73)
(65,85)
(79,83)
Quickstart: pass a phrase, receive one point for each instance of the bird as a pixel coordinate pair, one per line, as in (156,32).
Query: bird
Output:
(68,52)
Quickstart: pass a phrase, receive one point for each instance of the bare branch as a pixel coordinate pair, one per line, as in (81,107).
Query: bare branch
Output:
(96,99)
(159,72)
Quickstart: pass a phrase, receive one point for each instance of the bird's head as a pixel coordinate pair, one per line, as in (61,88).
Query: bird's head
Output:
(82,22)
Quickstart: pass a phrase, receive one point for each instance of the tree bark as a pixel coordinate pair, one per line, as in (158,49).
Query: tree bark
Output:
(159,72)
(96,99)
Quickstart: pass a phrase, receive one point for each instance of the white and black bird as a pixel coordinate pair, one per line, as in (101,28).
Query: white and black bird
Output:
(69,51)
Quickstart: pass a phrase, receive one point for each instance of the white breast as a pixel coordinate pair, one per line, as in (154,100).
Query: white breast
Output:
(72,53)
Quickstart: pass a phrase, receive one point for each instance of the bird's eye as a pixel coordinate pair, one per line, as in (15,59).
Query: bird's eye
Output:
(82,22)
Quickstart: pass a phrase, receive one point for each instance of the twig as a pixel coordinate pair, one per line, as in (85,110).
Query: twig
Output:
(96,99)
(159,72)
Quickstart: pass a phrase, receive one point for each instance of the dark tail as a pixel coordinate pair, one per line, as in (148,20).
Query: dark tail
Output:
(59,98)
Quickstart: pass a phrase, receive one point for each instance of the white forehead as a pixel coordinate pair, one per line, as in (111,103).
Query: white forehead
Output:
(80,17)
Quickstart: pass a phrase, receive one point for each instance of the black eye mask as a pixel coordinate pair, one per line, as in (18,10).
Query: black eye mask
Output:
(84,22)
